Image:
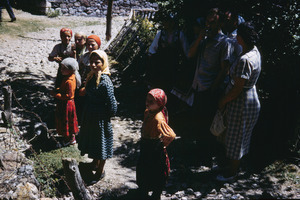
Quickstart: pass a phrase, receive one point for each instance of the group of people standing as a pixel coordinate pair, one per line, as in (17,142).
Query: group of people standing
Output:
(83,88)
(223,65)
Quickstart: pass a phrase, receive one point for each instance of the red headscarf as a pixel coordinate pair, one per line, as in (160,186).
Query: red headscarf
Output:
(65,30)
(96,38)
(161,99)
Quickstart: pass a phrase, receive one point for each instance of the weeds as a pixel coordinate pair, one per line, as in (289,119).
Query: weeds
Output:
(53,13)
(48,168)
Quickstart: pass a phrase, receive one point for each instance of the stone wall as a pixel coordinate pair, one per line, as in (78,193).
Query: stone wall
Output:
(98,7)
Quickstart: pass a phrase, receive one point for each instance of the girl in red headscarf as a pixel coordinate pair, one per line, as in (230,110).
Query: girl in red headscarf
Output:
(153,167)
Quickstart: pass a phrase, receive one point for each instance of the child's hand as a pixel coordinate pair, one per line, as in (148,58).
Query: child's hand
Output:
(58,59)
(166,140)
(82,92)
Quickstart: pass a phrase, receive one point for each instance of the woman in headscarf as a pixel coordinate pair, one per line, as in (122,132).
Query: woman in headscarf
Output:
(96,134)
(61,51)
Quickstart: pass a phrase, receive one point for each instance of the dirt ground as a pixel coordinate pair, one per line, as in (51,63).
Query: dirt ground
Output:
(24,65)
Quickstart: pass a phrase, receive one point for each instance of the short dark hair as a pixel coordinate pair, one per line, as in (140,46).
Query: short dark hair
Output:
(247,32)
(216,12)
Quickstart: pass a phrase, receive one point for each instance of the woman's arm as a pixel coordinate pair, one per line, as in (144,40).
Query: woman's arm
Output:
(54,55)
(233,93)
(56,59)
(111,100)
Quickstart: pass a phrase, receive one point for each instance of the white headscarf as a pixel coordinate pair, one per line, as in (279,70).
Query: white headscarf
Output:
(72,64)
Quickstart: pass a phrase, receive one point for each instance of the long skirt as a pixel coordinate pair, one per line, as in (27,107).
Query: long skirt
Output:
(66,118)
(153,166)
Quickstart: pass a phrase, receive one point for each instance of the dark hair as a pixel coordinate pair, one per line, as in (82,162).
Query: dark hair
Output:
(247,32)
(216,12)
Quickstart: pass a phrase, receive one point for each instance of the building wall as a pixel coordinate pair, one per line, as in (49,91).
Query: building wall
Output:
(98,7)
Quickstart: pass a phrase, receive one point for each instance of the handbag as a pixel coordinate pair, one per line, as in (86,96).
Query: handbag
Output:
(217,127)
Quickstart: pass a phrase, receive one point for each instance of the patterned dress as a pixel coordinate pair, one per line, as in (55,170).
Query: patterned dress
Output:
(243,112)
(96,134)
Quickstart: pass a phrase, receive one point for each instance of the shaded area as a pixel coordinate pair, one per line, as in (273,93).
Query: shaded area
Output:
(33,6)
(32,102)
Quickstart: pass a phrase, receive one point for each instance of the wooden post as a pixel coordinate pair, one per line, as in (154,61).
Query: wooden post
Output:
(74,179)
(108,20)
(6,115)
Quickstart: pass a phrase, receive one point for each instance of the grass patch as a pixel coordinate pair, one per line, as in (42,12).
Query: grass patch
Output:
(48,168)
(39,23)
(21,27)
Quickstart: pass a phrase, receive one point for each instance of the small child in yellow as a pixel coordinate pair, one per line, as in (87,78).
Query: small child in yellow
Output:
(153,167)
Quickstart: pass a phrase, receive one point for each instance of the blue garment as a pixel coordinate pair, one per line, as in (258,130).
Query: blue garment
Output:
(96,134)
(212,52)
(7,5)
(236,48)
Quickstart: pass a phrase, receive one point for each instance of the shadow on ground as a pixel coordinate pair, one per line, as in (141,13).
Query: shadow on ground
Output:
(32,102)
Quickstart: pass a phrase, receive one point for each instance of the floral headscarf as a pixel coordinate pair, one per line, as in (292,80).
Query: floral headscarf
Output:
(161,99)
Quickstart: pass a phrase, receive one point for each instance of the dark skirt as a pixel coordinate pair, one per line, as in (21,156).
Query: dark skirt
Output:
(66,118)
(153,166)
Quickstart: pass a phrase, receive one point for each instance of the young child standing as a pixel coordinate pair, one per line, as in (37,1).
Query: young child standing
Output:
(62,51)
(65,115)
(153,167)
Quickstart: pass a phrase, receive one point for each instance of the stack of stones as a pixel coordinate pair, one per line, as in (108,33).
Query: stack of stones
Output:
(98,8)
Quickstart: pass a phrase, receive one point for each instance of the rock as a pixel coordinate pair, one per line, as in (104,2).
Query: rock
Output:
(197,194)
(189,191)
(27,191)
(180,194)
(223,190)
(288,188)
(213,191)
(26,170)
(230,190)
